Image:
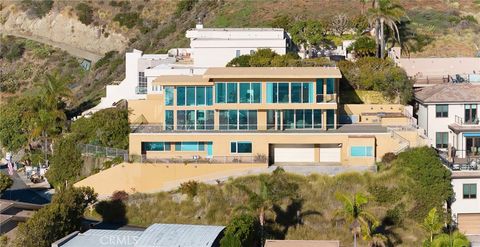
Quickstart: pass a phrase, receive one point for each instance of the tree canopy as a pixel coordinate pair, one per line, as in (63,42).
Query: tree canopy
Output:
(5,182)
(66,162)
(369,73)
(57,219)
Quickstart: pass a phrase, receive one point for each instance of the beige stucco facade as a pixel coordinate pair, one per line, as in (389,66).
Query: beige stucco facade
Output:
(363,143)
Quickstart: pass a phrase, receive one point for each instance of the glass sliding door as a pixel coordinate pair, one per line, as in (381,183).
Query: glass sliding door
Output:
(283,94)
(220,89)
(299,119)
(168,120)
(319,90)
(271,116)
(256,89)
(243,119)
(180,96)
(190,120)
(223,119)
(252,119)
(232,119)
(245,96)
(317,119)
(330,119)
(200,120)
(180,120)
(288,119)
(472,146)
(200,91)
(209,121)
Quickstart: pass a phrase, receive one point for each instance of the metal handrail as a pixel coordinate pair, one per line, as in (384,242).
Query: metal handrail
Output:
(326,98)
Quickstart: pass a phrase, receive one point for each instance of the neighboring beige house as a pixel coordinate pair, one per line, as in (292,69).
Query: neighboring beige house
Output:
(263,115)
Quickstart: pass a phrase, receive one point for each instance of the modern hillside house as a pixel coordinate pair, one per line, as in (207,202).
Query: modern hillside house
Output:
(263,115)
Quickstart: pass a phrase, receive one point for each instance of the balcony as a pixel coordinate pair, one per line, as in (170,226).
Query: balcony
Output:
(326,98)
(464,126)
(233,159)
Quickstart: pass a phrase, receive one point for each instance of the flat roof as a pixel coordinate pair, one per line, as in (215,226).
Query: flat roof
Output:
(273,72)
(107,238)
(180,79)
(449,92)
(302,243)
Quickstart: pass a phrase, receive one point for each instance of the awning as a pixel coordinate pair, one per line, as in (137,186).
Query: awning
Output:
(472,134)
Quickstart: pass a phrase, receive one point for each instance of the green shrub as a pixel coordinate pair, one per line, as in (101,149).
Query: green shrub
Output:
(385,195)
(11,48)
(5,182)
(243,229)
(38,8)
(184,6)
(189,188)
(84,13)
(167,30)
(129,19)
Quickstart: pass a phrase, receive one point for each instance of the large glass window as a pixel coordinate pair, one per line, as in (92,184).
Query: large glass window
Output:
(156,146)
(190,96)
(200,95)
(441,111)
(238,119)
(296,92)
(220,90)
(441,139)
(283,94)
(189,146)
(330,86)
(469,191)
(295,119)
(241,147)
(250,92)
(361,151)
(209,95)
(168,96)
(471,114)
(330,119)
(180,120)
(180,96)
(232,92)
(195,120)
(169,120)
(320,90)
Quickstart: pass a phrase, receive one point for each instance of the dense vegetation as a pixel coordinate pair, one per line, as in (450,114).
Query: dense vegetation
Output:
(369,73)
(299,207)
(61,217)
(5,183)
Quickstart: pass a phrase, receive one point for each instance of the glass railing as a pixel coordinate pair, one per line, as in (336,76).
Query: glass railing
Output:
(327,98)
(197,159)
(158,128)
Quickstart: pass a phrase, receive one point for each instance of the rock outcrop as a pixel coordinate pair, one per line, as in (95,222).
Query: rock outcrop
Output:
(63,30)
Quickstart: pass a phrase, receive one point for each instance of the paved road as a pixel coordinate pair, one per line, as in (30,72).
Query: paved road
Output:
(20,191)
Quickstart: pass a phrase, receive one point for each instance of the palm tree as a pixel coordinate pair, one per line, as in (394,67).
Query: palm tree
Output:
(432,223)
(456,239)
(353,212)
(50,115)
(385,13)
(376,239)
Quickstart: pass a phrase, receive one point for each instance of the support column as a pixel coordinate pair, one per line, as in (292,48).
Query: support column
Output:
(334,119)
(324,96)
(324,119)
(216,120)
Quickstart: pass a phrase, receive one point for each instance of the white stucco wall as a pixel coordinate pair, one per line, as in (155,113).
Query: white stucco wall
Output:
(440,124)
(219,57)
(422,115)
(461,205)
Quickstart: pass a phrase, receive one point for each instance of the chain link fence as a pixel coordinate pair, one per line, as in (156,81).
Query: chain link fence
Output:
(99,151)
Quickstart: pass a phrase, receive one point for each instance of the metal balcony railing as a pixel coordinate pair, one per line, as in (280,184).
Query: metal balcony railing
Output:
(460,121)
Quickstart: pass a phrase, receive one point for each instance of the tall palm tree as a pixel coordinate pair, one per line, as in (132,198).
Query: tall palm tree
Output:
(50,114)
(353,212)
(385,13)
(456,239)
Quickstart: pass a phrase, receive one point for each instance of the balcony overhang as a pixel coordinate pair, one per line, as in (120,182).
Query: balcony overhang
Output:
(461,128)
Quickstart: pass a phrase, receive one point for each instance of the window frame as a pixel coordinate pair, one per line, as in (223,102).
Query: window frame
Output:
(444,137)
(469,194)
(235,145)
(439,113)
(367,152)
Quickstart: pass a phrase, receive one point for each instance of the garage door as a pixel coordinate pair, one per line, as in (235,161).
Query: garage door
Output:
(294,153)
(469,223)
(330,154)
